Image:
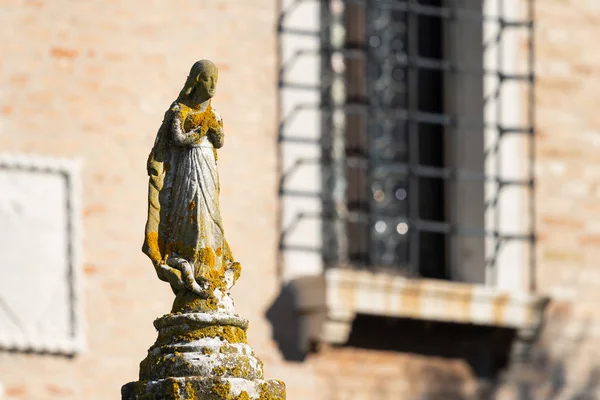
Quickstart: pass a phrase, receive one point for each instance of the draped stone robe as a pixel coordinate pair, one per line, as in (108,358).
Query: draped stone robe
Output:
(184,221)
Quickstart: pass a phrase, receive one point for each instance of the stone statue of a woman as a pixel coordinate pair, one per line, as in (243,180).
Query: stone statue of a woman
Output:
(201,351)
(184,232)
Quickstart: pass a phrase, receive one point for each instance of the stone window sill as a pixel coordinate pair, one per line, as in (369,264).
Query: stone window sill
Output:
(328,303)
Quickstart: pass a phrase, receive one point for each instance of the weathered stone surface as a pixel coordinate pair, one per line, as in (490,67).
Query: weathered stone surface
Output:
(201,344)
(204,388)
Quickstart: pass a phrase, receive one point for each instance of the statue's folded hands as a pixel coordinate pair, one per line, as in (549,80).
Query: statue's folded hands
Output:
(216,137)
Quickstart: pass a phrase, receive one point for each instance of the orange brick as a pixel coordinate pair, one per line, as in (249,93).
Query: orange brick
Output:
(61,52)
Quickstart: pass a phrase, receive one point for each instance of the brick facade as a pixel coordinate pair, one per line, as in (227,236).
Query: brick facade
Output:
(92,80)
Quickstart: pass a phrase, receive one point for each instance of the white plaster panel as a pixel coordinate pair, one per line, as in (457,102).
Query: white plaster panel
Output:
(39,238)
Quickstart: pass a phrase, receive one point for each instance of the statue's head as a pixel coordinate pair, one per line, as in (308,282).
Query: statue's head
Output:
(201,83)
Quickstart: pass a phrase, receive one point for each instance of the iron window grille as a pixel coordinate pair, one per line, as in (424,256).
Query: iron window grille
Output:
(399,97)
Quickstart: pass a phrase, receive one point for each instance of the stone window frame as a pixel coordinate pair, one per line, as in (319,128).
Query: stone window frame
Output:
(328,298)
(70,170)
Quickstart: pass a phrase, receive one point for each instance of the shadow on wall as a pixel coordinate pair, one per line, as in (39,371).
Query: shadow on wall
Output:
(545,375)
(486,350)
(285,324)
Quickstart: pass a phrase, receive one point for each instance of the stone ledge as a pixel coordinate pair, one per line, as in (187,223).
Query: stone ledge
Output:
(328,303)
(214,388)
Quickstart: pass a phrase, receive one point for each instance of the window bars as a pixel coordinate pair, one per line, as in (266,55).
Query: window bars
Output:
(416,118)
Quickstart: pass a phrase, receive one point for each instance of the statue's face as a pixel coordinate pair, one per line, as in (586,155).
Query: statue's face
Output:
(206,83)
(201,83)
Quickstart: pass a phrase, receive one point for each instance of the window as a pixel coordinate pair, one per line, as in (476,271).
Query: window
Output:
(407,137)
(377,77)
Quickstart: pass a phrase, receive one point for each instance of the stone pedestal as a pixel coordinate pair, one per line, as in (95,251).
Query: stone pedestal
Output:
(201,352)
(202,355)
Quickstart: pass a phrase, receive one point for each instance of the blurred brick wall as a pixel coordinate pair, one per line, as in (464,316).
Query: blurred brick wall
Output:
(568,187)
(92,79)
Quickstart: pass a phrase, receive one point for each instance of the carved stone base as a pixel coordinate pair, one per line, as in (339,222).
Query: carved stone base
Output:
(202,355)
(194,387)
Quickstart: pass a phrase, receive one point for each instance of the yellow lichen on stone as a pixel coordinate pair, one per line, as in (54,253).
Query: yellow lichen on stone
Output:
(155,246)
(192,119)
(222,389)
(190,392)
(224,349)
(227,255)
(242,369)
(231,334)
(229,262)
(207,257)
(188,302)
(174,388)
(236,267)
(243,396)
(266,394)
